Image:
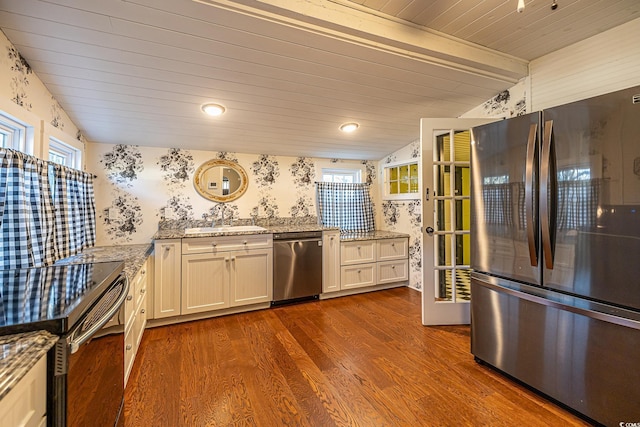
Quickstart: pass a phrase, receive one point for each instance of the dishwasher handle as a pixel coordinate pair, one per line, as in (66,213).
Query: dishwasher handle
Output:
(300,241)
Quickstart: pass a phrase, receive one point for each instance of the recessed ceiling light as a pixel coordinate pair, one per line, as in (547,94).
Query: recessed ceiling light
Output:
(213,109)
(349,127)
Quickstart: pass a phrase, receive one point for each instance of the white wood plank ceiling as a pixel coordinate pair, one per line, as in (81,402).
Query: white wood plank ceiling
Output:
(289,72)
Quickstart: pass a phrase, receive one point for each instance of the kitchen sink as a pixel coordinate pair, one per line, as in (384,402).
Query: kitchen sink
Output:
(224,229)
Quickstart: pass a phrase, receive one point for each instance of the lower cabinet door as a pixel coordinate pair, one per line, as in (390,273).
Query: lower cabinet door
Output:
(393,271)
(205,282)
(357,276)
(251,277)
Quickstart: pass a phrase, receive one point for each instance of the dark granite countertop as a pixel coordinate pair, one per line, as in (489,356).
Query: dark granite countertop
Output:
(19,353)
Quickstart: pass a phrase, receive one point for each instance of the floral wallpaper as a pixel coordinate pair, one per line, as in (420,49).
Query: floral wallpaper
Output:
(404,216)
(20,85)
(509,103)
(137,186)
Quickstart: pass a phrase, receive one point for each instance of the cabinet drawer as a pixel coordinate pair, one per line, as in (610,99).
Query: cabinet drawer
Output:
(140,288)
(358,252)
(393,271)
(356,276)
(198,245)
(389,249)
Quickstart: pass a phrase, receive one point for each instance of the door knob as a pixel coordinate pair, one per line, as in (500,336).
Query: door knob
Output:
(429,231)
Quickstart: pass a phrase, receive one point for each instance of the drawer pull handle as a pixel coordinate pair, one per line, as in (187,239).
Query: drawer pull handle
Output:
(129,297)
(129,347)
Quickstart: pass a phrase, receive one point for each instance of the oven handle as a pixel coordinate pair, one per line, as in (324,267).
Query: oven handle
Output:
(76,342)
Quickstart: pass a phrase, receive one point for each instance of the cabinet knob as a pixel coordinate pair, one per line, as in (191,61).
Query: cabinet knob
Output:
(129,347)
(233,258)
(226,259)
(142,291)
(167,248)
(143,272)
(331,238)
(143,311)
(244,242)
(393,244)
(358,247)
(129,297)
(214,244)
(359,271)
(393,267)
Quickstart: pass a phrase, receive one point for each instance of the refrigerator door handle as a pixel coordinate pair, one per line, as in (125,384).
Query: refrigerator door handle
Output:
(546,190)
(532,237)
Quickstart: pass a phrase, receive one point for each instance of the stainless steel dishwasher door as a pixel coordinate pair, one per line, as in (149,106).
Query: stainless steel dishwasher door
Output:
(297,268)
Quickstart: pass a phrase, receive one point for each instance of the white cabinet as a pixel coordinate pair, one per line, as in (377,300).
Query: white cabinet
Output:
(205,282)
(358,252)
(135,313)
(167,278)
(26,404)
(331,261)
(251,278)
(366,263)
(227,271)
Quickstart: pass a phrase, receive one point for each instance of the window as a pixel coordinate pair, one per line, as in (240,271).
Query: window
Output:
(13,133)
(402,181)
(350,176)
(64,154)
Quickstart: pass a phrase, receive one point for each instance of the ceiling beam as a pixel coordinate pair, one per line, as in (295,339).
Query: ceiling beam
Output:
(349,22)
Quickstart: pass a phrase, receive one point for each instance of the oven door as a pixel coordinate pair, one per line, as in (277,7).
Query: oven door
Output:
(89,378)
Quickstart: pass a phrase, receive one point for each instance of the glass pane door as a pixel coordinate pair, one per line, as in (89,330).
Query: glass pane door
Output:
(452,215)
(446,149)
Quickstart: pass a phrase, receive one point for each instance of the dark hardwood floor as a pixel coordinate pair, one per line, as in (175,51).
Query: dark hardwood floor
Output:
(362,360)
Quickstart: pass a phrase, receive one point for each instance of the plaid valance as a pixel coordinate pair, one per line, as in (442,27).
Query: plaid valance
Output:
(47,211)
(344,205)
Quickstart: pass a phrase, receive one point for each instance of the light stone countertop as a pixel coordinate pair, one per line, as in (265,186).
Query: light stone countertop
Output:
(19,353)
(372,235)
(132,255)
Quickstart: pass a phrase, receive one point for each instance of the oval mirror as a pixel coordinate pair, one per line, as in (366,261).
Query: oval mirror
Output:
(220,180)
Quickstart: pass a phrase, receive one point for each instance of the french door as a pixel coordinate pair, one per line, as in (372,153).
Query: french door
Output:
(446,168)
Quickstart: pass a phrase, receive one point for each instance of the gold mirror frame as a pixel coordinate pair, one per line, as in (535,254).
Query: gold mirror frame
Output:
(210,190)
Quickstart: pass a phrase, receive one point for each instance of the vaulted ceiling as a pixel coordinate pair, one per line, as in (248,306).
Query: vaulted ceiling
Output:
(289,72)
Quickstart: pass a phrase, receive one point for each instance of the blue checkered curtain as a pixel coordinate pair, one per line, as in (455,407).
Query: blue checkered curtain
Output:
(344,205)
(26,211)
(75,222)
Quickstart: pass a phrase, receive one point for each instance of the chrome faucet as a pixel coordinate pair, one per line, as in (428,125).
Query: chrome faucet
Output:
(223,210)
(212,217)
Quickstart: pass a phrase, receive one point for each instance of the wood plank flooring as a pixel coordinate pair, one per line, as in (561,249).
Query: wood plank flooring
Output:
(362,360)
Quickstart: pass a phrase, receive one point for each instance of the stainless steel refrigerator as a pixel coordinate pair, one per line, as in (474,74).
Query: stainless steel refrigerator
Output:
(555,241)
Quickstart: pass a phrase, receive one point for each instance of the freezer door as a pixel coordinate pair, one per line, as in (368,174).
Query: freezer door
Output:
(593,209)
(504,179)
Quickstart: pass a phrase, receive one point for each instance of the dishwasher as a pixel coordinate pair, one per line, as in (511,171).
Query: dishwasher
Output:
(297,266)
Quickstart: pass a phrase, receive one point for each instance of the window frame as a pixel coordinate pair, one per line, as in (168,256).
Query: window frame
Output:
(356,173)
(59,143)
(386,170)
